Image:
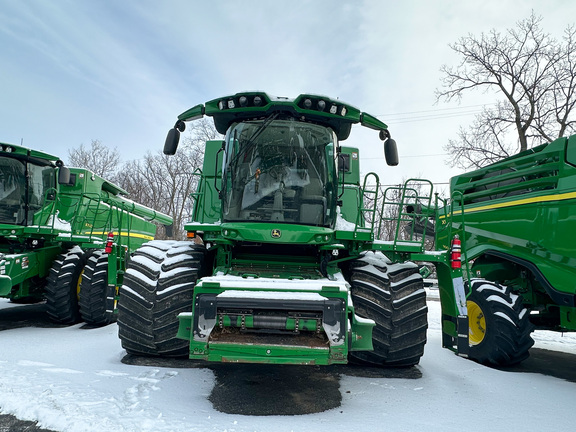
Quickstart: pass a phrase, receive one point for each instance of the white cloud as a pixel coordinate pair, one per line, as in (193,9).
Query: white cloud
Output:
(121,72)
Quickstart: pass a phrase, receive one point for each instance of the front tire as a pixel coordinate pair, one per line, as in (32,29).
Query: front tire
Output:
(63,287)
(393,296)
(499,325)
(158,285)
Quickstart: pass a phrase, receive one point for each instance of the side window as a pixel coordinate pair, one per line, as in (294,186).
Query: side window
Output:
(571,150)
(41,178)
(11,180)
(12,187)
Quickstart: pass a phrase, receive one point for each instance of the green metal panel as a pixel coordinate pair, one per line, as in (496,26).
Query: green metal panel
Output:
(521,213)
(241,309)
(249,105)
(278,233)
(350,174)
(524,206)
(206,198)
(17,151)
(351,204)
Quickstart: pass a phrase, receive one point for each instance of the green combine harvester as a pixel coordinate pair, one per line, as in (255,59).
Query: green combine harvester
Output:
(516,220)
(284,262)
(65,236)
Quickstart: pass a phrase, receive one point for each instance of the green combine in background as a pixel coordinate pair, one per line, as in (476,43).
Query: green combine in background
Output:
(516,219)
(65,236)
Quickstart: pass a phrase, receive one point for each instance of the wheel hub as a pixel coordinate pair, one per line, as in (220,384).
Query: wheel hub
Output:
(476,322)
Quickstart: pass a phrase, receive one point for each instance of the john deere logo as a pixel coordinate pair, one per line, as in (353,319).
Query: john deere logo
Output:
(276,233)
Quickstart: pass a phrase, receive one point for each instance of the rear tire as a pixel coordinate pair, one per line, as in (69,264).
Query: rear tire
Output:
(158,285)
(63,286)
(26,300)
(393,296)
(499,325)
(94,290)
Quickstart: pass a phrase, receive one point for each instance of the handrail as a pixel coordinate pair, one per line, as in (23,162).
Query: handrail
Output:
(462,229)
(363,211)
(394,210)
(90,214)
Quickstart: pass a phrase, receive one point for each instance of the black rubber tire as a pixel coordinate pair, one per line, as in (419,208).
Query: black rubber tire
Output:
(94,290)
(504,324)
(393,296)
(158,285)
(27,300)
(62,287)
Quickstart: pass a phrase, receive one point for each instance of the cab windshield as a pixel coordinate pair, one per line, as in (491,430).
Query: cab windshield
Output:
(23,188)
(279,171)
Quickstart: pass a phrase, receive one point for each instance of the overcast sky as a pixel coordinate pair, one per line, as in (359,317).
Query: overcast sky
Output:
(121,71)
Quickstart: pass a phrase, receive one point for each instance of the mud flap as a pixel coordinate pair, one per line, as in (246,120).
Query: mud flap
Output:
(5,285)
(462,343)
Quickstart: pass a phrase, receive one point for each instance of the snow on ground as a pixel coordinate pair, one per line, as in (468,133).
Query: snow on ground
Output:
(72,379)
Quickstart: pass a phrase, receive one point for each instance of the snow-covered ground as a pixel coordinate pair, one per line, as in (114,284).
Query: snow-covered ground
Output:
(72,379)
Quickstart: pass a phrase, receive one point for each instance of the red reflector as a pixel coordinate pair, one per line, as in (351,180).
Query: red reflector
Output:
(109,243)
(456,253)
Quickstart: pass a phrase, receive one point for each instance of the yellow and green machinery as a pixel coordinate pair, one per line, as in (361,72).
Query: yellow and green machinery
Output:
(284,263)
(516,220)
(65,236)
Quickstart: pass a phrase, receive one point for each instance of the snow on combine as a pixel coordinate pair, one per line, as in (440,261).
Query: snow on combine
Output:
(65,235)
(284,264)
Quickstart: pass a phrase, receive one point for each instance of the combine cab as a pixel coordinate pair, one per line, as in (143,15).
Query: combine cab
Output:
(65,235)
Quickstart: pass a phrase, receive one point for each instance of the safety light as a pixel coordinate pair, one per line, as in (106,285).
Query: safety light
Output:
(221,105)
(231,104)
(333,109)
(109,243)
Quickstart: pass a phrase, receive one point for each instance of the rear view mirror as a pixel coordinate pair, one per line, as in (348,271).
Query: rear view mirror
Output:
(63,175)
(169,229)
(391,152)
(171,143)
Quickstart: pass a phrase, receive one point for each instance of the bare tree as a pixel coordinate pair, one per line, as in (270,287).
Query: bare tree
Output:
(98,158)
(165,182)
(535,76)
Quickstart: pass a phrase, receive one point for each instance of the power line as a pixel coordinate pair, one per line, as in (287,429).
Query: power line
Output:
(435,114)
(410,156)
(430,117)
(434,110)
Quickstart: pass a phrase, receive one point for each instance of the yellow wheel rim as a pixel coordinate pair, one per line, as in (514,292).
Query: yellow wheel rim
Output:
(476,322)
(78,284)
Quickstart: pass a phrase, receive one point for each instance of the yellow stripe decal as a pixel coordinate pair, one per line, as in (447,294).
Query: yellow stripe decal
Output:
(123,234)
(543,198)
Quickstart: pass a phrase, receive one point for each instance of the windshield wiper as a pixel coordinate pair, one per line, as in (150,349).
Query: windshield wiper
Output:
(250,141)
